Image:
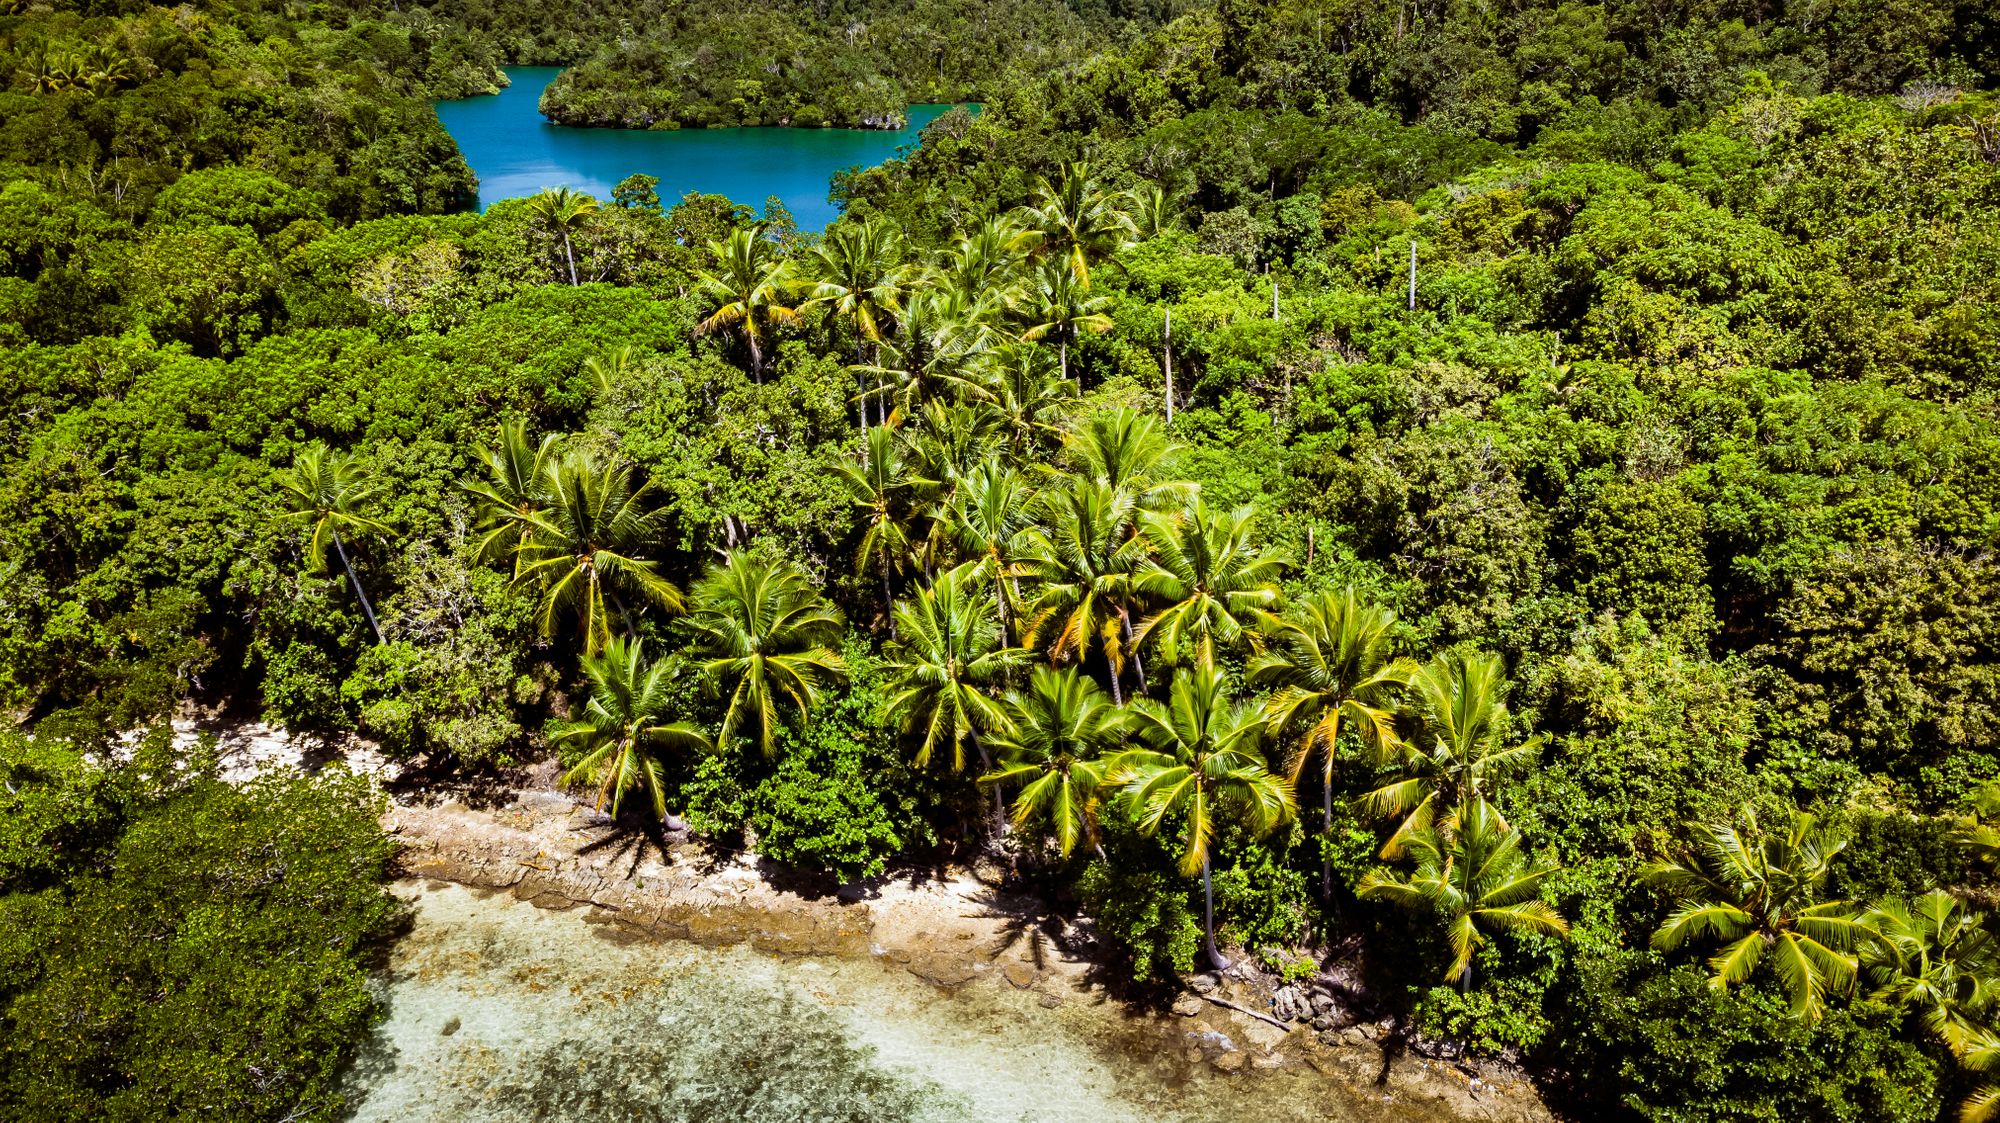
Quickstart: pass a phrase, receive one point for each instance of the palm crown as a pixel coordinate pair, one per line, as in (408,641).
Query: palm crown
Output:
(765,630)
(1762,894)
(623,725)
(1475,877)
(945,661)
(1055,741)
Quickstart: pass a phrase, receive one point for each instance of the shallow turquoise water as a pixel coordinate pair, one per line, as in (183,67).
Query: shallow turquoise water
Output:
(515,151)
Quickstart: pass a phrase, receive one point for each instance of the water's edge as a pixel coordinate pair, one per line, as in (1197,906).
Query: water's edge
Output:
(901,970)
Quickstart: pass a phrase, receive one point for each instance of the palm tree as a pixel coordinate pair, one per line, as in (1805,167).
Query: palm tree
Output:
(1082,561)
(943,448)
(1475,879)
(1056,741)
(561,212)
(1062,308)
(1978,834)
(1078,222)
(624,724)
(987,262)
(856,274)
(1128,451)
(328,490)
(1213,575)
(1762,894)
(1016,380)
(766,631)
(1981,1054)
(1935,956)
(584,547)
(945,664)
(1200,761)
(513,493)
(1455,750)
(882,485)
(990,518)
(613,367)
(942,347)
(1332,663)
(749,289)
(1154,212)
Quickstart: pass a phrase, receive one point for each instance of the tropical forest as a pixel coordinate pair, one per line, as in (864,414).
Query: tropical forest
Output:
(1463,535)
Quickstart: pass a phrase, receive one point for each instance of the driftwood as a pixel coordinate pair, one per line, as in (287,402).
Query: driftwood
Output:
(1258,1014)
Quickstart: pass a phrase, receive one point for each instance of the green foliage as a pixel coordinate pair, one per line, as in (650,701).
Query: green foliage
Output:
(1686,1054)
(214,937)
(1146,914)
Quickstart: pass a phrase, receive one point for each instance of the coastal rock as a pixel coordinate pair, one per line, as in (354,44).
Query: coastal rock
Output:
(1187,1005)
(948,971)
(1022,975)
(1289,1005)
(1203,984)
(1230,1062)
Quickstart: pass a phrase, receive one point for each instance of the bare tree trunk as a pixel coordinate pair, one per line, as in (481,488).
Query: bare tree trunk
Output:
(861,381)
(1208,917)
(1413,274)
(569,254)
(1326,829)
(888,599)
(369,609)
(756,356)
(1167,362)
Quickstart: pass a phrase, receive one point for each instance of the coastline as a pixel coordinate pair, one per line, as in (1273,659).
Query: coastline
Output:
(951,929)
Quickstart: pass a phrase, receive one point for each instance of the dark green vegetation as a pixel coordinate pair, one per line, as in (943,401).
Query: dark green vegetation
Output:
(173,946)
(789,62)
(1598,640)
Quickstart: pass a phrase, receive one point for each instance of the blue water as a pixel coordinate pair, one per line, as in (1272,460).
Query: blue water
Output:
(515,151)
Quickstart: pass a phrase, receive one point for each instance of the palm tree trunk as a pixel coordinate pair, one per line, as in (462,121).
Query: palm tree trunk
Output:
(1326,831)
(1117,693)
(1000,605)
(1138,661)
(1063,350)
(756,355)
(569,254)
(986,766)
(888,598)
(861,383)
(341,548)
(1208,917)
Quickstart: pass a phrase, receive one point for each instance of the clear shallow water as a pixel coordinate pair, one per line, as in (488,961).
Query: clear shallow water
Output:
(555,1018)
(515,151)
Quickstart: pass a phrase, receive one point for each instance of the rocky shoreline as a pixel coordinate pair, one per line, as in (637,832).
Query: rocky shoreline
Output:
(951,929)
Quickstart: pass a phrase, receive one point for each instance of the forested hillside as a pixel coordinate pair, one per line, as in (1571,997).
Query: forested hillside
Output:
(1500,500)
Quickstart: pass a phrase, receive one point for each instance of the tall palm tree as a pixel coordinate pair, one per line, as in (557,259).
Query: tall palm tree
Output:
(1200,761)
(1763,895)
(749,289)
(328,490)
(988,261)
(1935,957)
(945,665)
(1056,741)
(990,517)
(623,726)
(1455,750)
(1213,576)
(943,448)
(1016,380)
(514,490)
(884,486)
(562,212)
(1475,878)
(766,631)
(1078,221)
(585,548)
(1331,662)
(1130,452)
(1061,307)
(1082,562)
(940,351)
(856,274)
